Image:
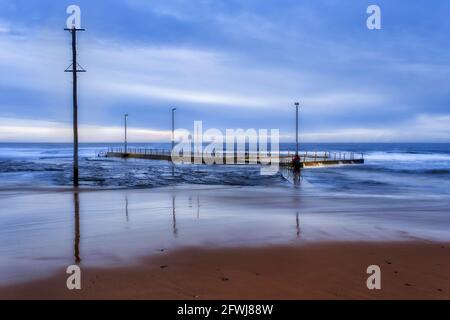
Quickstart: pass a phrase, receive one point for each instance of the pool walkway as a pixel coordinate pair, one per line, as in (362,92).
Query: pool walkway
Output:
(308,159)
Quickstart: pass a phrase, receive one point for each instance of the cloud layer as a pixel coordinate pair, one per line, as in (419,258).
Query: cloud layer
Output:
(231,64)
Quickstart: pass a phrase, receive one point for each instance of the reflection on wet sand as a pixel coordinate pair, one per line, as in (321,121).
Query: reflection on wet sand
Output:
(77,227)
(292,175)
(126,208)
(198,207)
(174,225)
(190,205)
(297,177)
(231,216)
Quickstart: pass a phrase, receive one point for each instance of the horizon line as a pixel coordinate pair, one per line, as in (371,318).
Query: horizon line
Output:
(168,142)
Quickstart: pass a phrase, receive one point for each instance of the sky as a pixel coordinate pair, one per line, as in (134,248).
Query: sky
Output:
(229,63)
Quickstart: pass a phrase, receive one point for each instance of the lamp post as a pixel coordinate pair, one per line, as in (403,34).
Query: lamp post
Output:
(173,127)
(296,127)
(126,143)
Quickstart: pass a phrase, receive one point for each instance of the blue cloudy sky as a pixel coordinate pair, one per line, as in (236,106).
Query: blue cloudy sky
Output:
(230,63)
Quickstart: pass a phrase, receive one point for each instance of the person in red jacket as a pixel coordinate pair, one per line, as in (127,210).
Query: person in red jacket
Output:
(296,162)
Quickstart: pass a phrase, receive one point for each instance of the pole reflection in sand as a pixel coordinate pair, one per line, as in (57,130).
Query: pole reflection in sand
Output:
(297,225)
(77,227)
(174,225)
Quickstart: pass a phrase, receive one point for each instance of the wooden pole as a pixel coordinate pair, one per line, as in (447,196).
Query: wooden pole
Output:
(173,128)
(74,71)
(296,128)
(126,142)
(75,109)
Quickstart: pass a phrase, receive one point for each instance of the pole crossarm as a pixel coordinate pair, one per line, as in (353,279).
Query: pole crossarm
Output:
(70,69)
(74,29)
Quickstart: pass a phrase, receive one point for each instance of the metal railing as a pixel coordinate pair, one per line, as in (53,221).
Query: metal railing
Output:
(143,151)
(327,156)
(304,157)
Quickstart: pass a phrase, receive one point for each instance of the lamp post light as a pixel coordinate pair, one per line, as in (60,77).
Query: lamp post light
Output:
(173,127)
(296,127)
(126,143)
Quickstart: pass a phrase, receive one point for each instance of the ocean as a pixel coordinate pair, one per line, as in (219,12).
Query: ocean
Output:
(403,169)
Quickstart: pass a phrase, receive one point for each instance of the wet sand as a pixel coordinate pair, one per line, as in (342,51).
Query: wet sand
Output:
(409,270)
(216,242)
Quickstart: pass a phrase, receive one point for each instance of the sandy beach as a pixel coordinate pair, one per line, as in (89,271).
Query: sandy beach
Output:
(315,271)
(221,242)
